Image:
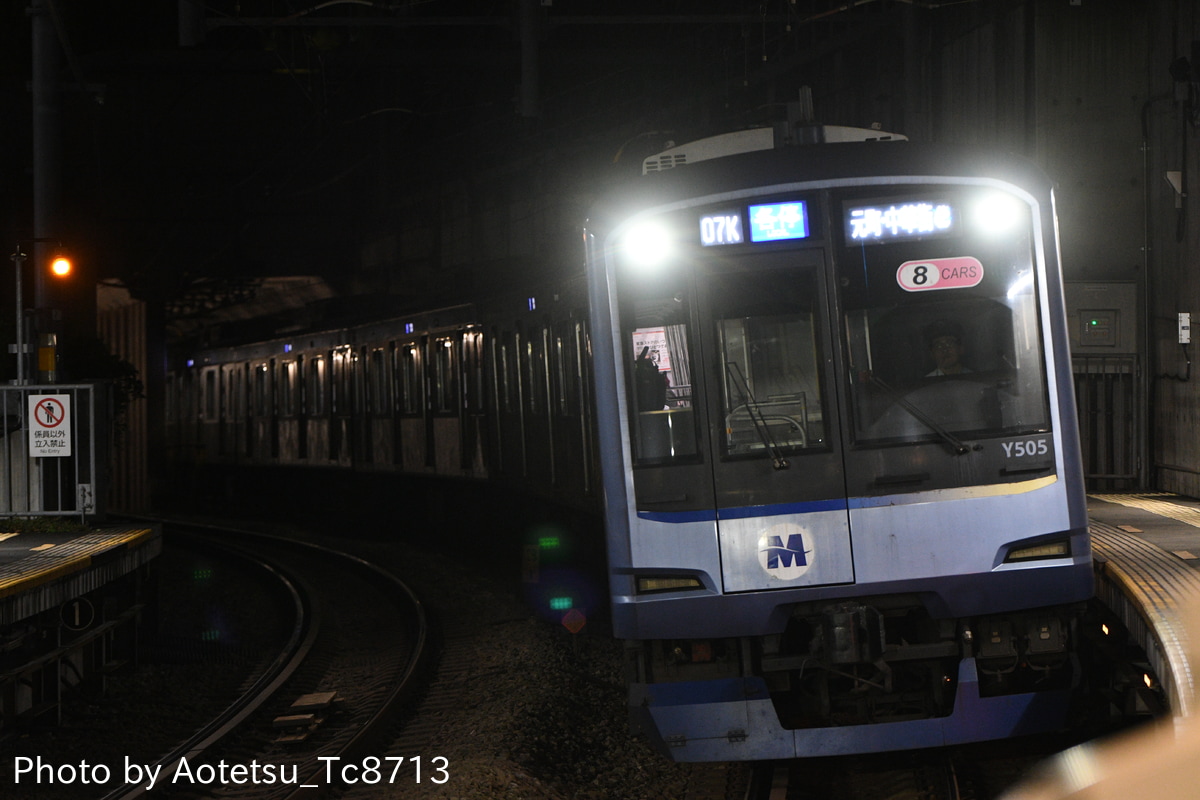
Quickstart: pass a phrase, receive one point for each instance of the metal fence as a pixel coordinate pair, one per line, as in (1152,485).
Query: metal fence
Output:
(1106,396)
(53,453)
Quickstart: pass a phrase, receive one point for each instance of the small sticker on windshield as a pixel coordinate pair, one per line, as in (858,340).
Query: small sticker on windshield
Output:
(961,272)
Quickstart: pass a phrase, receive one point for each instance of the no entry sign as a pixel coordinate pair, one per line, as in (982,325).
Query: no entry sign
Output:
(49,425)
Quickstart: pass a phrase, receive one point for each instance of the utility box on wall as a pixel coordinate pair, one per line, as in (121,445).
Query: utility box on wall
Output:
(1102,318)
(1103,324)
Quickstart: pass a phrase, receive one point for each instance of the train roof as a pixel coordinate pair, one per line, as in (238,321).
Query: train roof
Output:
(829,162)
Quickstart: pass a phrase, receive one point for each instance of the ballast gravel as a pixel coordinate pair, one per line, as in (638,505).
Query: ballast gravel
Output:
(519,707)
(516,707)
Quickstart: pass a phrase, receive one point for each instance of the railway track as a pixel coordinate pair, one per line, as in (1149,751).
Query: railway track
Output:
(973,772)
(309,721)
(511,718)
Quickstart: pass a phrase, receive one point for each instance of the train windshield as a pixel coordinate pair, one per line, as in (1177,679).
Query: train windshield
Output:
(940,316)
(662,419)
(769,350)
(764,381)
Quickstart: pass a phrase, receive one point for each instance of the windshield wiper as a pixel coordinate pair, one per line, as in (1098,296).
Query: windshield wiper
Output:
(957,445)
(756,416)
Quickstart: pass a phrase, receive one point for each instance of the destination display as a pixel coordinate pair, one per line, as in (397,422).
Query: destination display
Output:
(779,221)
(769,222)
(896,221)
(722,228)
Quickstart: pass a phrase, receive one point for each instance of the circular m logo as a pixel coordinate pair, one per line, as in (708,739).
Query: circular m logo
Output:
(783,551)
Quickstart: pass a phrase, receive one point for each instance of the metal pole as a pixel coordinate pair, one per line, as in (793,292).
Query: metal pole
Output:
(44,86)
(19,261)
(529,59)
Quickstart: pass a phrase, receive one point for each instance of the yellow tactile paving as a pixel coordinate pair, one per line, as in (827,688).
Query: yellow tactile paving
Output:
(1158,583)
(1152,584)
(1155,503)
(55,562)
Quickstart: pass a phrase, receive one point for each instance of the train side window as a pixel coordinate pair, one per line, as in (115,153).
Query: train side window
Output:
(357,380)
(170,402)
(237,393)
(535,372)
(210,394)
(272,406)
(581,357)
(771,377)
(300,386)
(287,375)
(409,371)
(520,374)
(472,370)
(507,371)
(445,388)
(583,354)
(187,398)
(540,363)
(335,378)
(395,391)
(659,377)
(563,372)
(315,391)
(495,386)
(342,363)
(261,394)
(229,396)
(377,382)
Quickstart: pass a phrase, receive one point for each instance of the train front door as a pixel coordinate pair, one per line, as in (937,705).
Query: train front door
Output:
(782,519)
(733,418)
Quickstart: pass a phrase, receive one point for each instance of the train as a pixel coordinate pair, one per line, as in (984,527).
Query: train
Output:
(815,384)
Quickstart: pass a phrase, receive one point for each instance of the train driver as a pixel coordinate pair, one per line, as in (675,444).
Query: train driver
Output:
(946,346)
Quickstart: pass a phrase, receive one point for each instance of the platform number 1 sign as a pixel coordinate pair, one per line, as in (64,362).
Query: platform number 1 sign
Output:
(49,425)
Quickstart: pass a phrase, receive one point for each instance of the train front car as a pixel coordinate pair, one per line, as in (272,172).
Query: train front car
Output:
(843,499)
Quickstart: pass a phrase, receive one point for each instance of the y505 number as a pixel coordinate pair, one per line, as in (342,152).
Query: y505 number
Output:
(1024,448)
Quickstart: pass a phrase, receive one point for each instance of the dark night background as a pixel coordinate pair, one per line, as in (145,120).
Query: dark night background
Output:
(354,142)
(404,154)
(384,145)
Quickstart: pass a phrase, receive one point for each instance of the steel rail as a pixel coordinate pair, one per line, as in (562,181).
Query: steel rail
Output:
(306,625)
(304,635)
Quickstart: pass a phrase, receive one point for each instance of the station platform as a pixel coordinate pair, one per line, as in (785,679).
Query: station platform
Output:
(1147,552)
(1150,543)
(42,571)
(1168,521)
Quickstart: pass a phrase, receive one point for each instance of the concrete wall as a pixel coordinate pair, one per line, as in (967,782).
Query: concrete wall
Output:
(1083,89)
(1173,233)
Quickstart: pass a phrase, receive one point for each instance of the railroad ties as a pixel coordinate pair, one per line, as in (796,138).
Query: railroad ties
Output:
(304,716)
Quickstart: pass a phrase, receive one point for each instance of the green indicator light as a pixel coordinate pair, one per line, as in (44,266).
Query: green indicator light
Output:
(560,603)
(548,542)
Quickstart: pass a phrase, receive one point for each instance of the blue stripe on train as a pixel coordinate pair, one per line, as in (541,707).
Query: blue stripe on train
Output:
(744,512)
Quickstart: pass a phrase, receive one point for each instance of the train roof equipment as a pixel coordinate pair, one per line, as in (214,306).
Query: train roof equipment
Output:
(781,134)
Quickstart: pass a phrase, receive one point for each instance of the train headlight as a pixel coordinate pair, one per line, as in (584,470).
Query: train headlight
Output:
(1059,549)
(996,213)
(650,584)
(646,244)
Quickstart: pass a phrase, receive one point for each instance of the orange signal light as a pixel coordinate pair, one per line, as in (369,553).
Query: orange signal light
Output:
(61,266)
